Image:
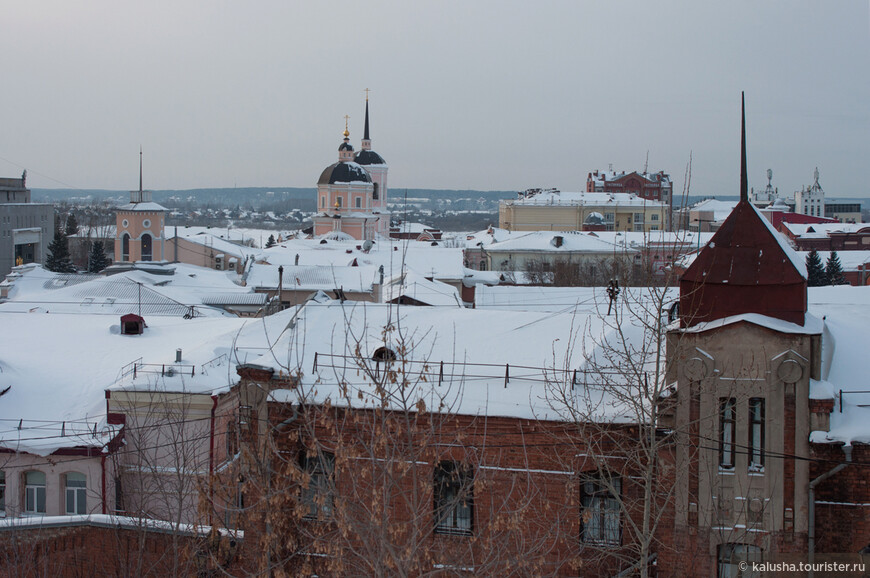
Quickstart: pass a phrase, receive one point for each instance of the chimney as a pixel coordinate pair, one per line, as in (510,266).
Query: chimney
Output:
(296,261)
(178,355)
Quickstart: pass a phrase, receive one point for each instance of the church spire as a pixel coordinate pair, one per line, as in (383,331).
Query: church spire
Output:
(744,184)
(366,140)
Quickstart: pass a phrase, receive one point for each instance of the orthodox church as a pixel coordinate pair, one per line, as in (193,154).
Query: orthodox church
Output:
(352,193)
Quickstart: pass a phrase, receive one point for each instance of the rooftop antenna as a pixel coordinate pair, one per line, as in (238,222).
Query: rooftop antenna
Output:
(744,186)
(646,162)
(140,172)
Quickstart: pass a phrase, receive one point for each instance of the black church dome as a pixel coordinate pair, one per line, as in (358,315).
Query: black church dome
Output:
(343,172)
(369,157)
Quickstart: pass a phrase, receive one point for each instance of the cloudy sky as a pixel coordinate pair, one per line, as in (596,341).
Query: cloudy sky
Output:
(464,94)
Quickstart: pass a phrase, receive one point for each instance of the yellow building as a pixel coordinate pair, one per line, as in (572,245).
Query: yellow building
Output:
(553,210)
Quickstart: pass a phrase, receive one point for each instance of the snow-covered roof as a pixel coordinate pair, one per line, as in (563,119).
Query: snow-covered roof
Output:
(823,230)
(475,347)
(720,209)
(111,522)
(315,277)
(211,240)
(419,288)
(417,228)
(796,260)
(144,206)
(59,366)
(850,260)
(444,263)
(599,177)
(40,290)
(591,199)
(557,242)
(846,314)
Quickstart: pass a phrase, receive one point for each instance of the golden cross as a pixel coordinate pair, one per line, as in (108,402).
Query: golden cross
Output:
(367,94)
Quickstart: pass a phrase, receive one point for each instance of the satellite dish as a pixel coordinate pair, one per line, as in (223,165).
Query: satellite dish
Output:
(769,174)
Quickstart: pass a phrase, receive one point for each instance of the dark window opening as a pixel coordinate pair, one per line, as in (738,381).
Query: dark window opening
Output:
(317,490)
(727,419)
(454,499)
(756,433)
(146,247)
(600,515)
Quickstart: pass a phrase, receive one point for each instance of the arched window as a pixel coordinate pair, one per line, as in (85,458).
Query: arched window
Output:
(125,247)
(146,247)
(76,493)
(34,492)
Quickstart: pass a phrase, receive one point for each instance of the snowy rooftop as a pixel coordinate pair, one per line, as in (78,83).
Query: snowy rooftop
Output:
(475,346)
(822,230)
(556,242)
(315,277)
(721,209)
(417,287)
(584,198)
(846,314)
(601,176)
(40,290)
(59,366)
(395,255)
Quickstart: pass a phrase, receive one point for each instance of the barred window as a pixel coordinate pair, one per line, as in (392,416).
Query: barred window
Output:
(600,515)
(454,499)
(317,492)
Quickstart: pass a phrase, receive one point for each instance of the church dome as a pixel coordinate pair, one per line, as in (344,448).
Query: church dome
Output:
(343,172)
(369,157)
(345,146)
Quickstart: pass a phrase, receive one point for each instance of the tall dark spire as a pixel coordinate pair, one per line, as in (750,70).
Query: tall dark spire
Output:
(744,183)
(366,133)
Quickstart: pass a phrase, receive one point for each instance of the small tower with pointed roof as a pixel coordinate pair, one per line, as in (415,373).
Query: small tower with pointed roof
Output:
(377,167)
(139,227)
(747,267)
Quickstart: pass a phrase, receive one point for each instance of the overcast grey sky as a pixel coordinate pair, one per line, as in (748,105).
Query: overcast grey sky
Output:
(464,94)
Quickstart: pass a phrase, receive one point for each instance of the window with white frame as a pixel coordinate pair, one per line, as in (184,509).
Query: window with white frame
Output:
(654,217)
(600,515)
(638,217)
(76,493)
(317,490)
(34,492)
(453,499)
(358,202)
(733,558)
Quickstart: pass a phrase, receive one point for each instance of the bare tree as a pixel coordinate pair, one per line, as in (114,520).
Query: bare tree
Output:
(384,475)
